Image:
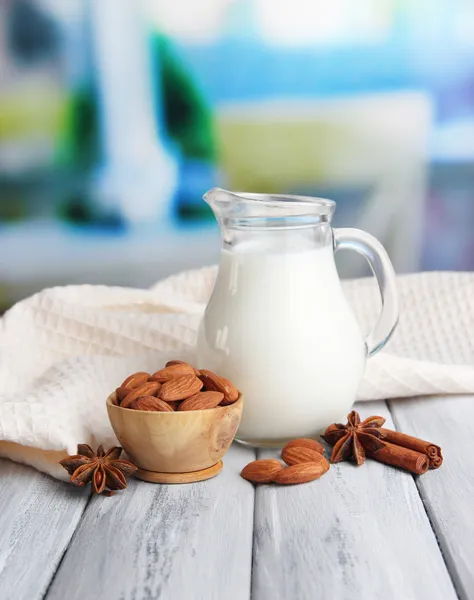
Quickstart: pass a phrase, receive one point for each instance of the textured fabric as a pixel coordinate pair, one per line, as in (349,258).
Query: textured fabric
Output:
(63,350)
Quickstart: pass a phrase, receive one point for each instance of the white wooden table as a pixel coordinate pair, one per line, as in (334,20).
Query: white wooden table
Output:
(358,533)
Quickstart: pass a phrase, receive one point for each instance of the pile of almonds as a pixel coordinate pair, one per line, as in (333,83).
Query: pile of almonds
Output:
(177,387)
(304,458)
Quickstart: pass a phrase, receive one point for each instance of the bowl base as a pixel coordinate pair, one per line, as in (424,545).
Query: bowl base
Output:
(193,476)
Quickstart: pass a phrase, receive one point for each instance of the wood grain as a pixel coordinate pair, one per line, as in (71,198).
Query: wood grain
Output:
(448,492)
(158,541)
(175,442)
(37,519)
(358,532)
(171,478)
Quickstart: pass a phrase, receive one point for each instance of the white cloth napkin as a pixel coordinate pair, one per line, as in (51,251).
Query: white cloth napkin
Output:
(63,350)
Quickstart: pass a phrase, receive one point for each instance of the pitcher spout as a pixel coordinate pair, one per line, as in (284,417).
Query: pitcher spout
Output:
(219,199)
(216,194)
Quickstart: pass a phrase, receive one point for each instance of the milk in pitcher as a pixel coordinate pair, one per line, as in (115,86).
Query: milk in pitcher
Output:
(260,330)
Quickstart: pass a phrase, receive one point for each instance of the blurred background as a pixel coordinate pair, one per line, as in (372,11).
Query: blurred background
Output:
(116,116)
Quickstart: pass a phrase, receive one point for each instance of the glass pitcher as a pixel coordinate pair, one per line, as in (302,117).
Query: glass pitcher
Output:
(278,325)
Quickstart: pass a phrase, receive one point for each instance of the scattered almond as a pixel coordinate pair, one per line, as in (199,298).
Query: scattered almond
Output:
(202,401)
(172,371)
(180,388)
(135,380)
(215,383)
(147,389)
(262,471)
(151,403)
(305,443)
(301,473)
(300,454)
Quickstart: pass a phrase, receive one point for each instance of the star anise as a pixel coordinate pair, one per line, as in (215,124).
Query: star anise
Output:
(103,469)
(354,438)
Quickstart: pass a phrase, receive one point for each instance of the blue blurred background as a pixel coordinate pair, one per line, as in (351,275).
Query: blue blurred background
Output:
(116,115)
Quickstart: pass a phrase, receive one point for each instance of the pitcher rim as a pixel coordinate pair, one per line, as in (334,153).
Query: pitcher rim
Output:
(291,199)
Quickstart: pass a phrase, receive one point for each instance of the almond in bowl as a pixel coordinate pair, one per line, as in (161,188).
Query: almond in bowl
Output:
(175,424)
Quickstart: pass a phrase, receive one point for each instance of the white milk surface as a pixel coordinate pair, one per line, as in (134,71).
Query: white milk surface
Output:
(279,327)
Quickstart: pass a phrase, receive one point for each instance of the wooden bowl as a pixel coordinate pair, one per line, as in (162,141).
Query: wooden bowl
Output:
(175,447)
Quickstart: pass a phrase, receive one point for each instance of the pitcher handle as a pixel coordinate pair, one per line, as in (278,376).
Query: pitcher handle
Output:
(377,257)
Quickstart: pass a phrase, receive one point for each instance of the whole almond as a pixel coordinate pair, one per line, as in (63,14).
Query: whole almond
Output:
(151,403)
(305,443)
(147,389)
(215,383)
(172,371)
(135,380)
(300,454)
(171,363)
(301,473)
(121,393)
(180,388)
(202,401)
(262,471)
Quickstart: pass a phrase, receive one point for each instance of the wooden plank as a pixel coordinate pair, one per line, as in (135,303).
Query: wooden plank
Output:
(358,532)
(38,516)
(165,541)
(448,492)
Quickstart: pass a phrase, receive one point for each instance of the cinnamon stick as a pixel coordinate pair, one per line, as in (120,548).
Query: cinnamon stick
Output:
(398,456)
(432,451)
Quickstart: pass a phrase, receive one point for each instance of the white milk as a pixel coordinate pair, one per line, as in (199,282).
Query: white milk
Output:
(279,327)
